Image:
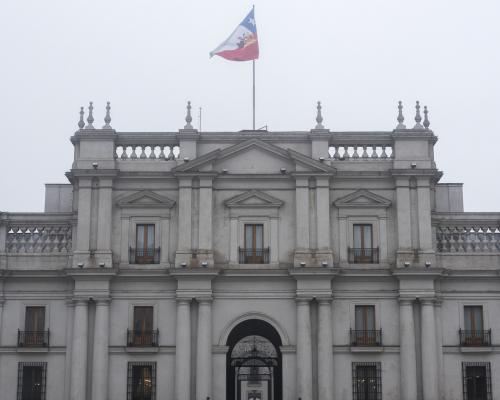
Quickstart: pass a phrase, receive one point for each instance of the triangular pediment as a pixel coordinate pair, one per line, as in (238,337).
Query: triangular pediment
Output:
(255,156)
(253,199)
(362,199)
(145,199)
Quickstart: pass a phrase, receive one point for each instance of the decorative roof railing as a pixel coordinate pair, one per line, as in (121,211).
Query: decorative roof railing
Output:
(27,233)
(467,232)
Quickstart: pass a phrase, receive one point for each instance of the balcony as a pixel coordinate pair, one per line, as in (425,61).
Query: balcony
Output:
(366,255)
(144,256)
(142,338)
(33,338)
(475,338)
(253,256)
(371,338)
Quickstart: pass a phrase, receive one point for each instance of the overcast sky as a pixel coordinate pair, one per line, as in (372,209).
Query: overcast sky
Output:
(149,57)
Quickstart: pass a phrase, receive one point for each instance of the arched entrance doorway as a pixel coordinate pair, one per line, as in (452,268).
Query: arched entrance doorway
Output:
(254,366)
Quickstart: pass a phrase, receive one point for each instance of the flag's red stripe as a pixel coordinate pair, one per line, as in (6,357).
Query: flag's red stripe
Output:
(250,52)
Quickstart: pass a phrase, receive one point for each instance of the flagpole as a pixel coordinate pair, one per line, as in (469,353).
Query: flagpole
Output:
(253,93)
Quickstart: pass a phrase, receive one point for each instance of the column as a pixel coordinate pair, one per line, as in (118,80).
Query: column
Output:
(204,350)
(407,356)
(84,206)
(304,351)
(205,227)
(302,212)
(430,378)
(424,214)
(184,214)
(79,351)
(323,212)
(183,350)
(403,213)
(101,357)
(325,350)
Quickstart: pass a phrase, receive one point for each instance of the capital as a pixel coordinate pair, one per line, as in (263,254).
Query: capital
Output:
(406,301)
(427,301)
(80,301)
(303,301)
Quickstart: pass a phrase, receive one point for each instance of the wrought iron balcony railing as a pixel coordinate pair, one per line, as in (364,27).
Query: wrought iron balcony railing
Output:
(144,256)
(33,338)
(366,255)
(142,338)
(254,256)
(366,337)
(475,338)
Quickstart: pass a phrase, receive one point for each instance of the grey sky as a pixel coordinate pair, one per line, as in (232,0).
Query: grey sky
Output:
(149,57)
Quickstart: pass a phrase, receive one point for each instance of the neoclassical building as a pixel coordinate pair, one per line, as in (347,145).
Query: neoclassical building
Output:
(251,265)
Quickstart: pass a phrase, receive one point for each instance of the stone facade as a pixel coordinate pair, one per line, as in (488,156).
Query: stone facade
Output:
(256,233)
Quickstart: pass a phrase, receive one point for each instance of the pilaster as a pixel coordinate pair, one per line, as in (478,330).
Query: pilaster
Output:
(407,354)
(103,253)
(100,363)
(430,375)
(325,349)
(304,349)
(403,210)
(204,349)
(205,243)
(184,246)
(302,251)
(79,350)
(426,251)
(183,350)
(82,250)
(324,251)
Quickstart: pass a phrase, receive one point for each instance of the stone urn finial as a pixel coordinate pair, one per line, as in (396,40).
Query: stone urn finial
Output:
(90,118)
(189,119)
(319,117)
(401,118)
(418,117)
(81,123)
(426,118)
(107,118)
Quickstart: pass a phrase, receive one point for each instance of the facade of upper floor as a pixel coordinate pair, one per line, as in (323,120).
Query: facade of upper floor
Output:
(270,199)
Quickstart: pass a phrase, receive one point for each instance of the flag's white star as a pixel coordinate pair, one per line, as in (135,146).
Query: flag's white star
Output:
(251,21)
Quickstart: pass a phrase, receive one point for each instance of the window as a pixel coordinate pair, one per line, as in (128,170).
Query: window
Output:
(31,380)
(366,381)
(145,243)
(142,333)
(476,380)
(474,333)
(363,251)
(144,252)
(141,381)
(365,333)
(254,251)
(34,333)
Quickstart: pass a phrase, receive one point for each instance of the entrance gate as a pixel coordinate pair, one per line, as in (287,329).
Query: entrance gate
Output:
(253,370)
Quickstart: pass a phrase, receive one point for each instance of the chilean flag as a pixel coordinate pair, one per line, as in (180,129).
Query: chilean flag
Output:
(242,45)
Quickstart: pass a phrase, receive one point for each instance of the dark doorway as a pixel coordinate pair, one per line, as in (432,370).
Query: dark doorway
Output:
(254,362)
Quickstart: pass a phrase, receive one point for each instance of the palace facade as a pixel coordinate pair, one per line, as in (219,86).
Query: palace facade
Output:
(251,265)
